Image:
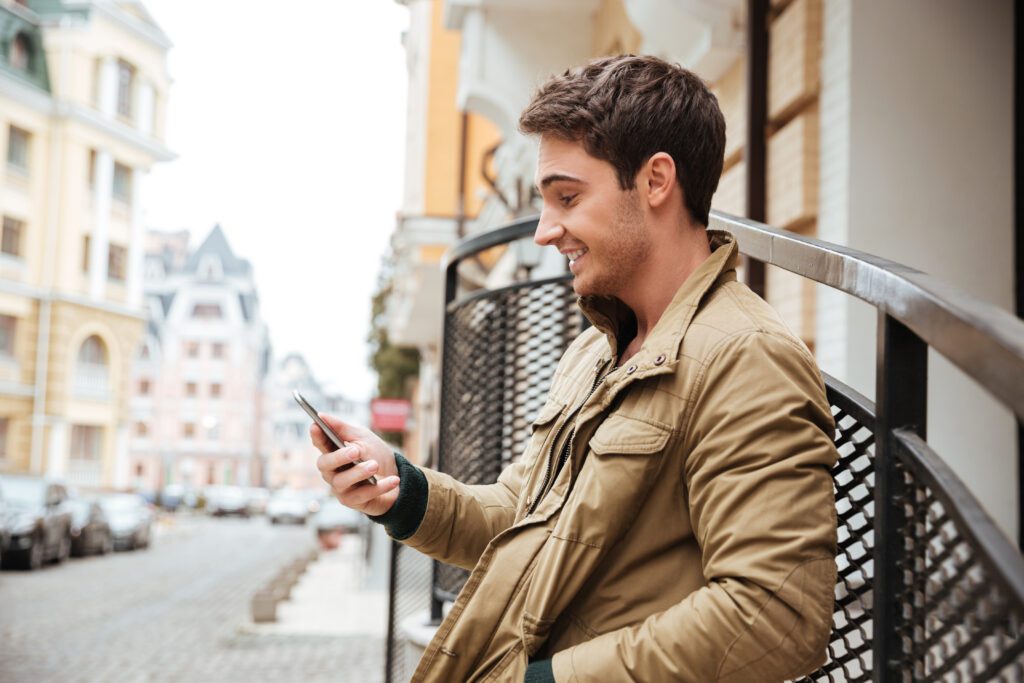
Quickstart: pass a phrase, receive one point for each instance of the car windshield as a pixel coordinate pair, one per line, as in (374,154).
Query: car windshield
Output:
(119,503)
(23,492)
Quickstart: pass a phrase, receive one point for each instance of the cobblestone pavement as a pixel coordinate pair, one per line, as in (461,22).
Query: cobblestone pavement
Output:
(178,611)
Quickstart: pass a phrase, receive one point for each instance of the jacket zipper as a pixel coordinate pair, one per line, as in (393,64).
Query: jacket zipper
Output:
(568,443)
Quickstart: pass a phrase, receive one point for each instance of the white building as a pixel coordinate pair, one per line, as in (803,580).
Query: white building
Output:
(198,401)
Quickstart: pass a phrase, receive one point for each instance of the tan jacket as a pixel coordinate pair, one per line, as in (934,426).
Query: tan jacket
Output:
(691,534)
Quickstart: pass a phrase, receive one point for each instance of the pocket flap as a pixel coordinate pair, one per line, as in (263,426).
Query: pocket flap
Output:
(548,412)
(621,434)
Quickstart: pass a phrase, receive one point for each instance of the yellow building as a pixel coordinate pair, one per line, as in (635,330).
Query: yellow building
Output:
(83,91)
(447,149)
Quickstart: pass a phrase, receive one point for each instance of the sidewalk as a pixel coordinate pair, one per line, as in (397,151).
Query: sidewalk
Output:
(331,599)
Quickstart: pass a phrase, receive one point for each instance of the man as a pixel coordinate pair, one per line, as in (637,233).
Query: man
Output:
(672,518)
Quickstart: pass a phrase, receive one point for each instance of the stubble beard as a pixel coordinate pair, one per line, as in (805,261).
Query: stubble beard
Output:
(622,253)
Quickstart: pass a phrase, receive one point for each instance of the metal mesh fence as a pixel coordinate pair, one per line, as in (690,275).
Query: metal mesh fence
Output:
(409,596)
(500,353)
(849,650)
(958,623)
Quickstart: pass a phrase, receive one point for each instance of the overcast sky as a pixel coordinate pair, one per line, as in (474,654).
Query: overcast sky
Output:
(288,120)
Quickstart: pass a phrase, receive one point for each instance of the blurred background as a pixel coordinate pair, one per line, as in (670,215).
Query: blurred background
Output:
(208,205)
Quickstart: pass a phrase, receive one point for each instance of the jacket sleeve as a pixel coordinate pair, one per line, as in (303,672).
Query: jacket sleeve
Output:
(758,448)
(461,519)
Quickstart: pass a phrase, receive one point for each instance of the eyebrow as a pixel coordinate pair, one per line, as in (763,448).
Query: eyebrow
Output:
(558,177)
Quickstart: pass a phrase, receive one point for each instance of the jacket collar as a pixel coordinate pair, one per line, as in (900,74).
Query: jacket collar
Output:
(610,315)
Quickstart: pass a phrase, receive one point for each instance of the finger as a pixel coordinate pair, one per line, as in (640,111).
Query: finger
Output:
(347,432)
(329,462)
(320,440)
(353,477)
(359,496)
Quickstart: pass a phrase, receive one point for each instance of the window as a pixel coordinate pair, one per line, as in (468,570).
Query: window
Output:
(215,390)
(191,389)
(20,53)
(192,349)
(8,324)
(125,79)
(140,469)
(12,232)
(144,387)
(189,430)
(91,369)
(207,311)
(141,429)
(86,442)
(218,350)
(5,425)
(117,260)
(17,149)
(122,183)
(85,254)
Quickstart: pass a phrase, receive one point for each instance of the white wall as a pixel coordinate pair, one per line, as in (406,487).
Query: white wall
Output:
(930,185)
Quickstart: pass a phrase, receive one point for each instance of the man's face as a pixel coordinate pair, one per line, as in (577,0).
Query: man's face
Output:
(599,227)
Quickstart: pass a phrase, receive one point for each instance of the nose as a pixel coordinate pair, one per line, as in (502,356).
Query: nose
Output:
(548,231)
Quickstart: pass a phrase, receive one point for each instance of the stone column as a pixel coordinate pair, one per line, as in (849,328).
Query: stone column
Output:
(57,455)
(144,110)
(137,246)
(107,95)
(103,175)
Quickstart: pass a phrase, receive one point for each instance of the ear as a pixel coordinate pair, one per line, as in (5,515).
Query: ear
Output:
(660,178)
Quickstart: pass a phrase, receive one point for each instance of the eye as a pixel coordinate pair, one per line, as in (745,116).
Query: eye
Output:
(567,199)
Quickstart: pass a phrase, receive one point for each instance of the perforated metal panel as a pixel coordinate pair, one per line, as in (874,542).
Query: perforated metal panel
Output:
(409,595)
(958,622)
(501,349)
(849,650)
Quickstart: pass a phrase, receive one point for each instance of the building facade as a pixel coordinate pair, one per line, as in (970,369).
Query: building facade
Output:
(83,92)
(887,128)
(199,380)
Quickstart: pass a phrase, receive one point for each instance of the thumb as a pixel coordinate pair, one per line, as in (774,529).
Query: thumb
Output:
(344,430)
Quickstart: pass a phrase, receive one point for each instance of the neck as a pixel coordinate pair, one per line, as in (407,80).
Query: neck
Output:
(668,268)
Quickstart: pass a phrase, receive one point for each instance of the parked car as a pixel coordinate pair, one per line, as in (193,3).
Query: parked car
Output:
(227,500)
(334,520)
(90,530)
(172,496)
(38,520)
(257,499)
(288,505)
(130,518)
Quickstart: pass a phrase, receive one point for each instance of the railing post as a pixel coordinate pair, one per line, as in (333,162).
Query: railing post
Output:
(902,402)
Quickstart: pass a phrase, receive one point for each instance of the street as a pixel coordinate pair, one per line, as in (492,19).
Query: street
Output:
(180,611)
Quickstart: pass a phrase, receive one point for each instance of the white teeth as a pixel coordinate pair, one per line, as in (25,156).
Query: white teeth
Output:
(573,255)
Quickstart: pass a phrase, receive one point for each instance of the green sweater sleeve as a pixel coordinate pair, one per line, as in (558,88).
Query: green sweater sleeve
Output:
(540,672)
(404,517)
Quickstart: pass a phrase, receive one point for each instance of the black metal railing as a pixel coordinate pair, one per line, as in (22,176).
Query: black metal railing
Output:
(929,588)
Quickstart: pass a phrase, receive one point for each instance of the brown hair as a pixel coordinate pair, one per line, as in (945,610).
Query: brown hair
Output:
(625,109)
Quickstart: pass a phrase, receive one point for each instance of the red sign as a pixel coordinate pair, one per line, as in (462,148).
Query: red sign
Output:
(389,414)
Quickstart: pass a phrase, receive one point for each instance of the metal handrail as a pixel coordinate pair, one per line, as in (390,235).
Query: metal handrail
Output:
(984,341)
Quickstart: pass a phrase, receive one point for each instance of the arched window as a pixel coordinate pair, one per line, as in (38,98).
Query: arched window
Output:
(91,374)
(20,53)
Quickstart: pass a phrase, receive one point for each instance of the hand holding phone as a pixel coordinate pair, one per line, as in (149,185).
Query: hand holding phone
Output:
(330,433)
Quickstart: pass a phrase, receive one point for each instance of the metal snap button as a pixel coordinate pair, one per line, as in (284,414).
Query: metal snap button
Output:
(631,369)
(659,360)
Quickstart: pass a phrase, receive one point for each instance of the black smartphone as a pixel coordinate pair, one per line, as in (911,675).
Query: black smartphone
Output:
(335,439)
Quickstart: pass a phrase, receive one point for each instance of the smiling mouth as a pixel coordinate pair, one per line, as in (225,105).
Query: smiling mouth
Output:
(573,256)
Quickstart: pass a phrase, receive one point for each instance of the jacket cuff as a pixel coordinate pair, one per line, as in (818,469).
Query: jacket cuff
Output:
(540,672)
(404,517)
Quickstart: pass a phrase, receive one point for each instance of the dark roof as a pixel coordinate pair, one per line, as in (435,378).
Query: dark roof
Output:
(216,243)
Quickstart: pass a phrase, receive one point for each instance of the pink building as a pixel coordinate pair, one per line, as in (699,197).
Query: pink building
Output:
(199,379)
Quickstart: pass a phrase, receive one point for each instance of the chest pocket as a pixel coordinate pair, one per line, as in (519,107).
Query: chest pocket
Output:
(624,458)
